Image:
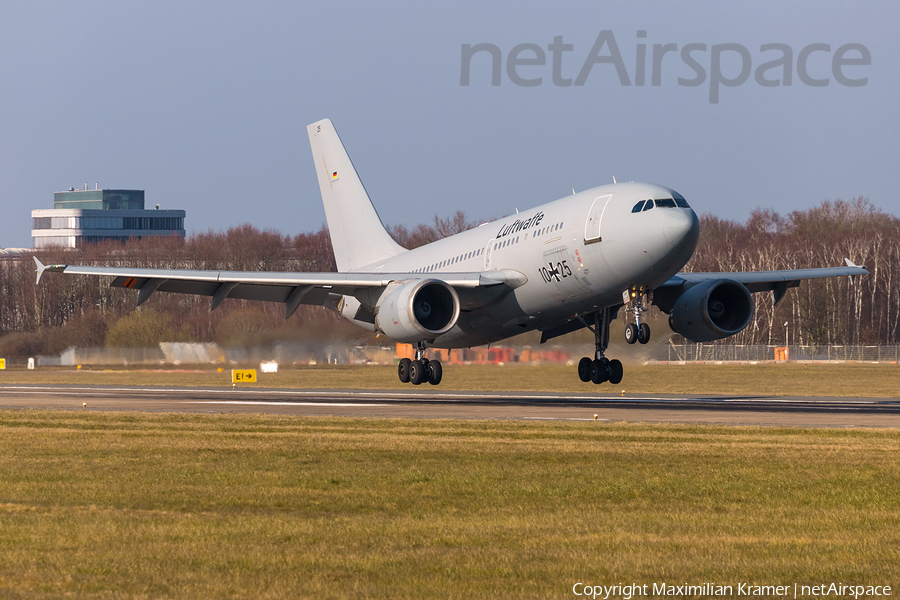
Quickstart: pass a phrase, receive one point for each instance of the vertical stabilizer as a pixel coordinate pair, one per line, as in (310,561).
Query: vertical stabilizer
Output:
(357,233)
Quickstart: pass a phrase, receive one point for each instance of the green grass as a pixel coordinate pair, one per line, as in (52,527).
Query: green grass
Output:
(850,379)
(130,505)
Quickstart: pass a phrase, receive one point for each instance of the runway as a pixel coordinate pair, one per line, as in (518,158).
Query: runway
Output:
(428,403)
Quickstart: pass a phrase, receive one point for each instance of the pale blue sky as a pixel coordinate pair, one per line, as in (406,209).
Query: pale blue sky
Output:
(205,104)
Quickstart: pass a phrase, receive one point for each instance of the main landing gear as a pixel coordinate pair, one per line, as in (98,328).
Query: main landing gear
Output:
(600,369)
(634,303)
(421,369)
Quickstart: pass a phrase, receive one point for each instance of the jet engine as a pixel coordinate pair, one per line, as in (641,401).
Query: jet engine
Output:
(418,310)
(712,310)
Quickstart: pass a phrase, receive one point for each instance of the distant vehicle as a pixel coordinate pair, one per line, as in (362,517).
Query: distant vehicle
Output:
(562,266)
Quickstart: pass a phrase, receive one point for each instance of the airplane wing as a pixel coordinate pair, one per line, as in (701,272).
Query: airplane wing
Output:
(760,281)
(292,289)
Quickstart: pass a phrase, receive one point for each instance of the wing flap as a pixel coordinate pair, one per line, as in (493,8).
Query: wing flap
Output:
(292,289)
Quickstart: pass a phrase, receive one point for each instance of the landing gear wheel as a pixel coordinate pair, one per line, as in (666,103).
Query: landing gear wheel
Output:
(644,333)
(584,369)
(599,370)
(631,333)
(416,372)
(615,372)
(602,369)
(403,370)
(435,372)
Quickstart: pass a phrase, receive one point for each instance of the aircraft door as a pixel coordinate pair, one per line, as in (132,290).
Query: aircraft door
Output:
(487,254)
(594,219)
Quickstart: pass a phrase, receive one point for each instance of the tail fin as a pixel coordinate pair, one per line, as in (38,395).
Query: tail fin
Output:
(357,233)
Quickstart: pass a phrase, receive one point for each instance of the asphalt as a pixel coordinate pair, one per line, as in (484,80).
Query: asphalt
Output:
(429,403)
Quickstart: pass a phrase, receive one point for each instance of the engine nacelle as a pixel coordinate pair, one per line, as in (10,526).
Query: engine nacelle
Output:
(417,310)
(712,310)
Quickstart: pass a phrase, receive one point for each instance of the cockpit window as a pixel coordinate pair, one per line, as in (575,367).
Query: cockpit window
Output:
(680,201)
(665,202)
(648,205)
(638,206)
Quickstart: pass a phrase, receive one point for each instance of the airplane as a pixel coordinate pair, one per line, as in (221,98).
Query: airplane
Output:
(566,265)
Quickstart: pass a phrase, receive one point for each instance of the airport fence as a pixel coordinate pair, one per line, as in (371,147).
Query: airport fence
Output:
(749,353)
(306,353)
(288,353)
(175,353)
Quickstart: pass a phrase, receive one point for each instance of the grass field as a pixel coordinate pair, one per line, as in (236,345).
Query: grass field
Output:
(115,505)
(848,379)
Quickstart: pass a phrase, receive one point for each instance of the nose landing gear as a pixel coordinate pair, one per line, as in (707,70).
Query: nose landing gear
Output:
(600,368)
(634,303)
(421,369)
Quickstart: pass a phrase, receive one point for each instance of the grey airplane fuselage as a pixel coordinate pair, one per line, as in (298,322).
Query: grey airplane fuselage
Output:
(578,254)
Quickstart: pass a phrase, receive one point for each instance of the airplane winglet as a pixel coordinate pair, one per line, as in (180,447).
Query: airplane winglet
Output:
(41,267)
(849,263)
(40,270)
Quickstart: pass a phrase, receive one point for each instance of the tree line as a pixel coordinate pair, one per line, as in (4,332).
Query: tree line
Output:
(84,311)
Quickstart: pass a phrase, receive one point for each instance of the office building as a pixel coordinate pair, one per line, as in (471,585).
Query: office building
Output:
(90,216)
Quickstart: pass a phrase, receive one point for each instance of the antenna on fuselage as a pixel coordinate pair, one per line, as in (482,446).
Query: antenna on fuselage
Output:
(614,179)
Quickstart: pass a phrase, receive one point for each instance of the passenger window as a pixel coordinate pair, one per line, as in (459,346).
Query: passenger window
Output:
(648,205)
(637,207)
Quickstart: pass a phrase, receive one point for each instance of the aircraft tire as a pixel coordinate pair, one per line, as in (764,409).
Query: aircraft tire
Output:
(584,369)
(435,372)
(631,333)
(599,371)
(416,372)
(616,372)
(403,370)
(644,333)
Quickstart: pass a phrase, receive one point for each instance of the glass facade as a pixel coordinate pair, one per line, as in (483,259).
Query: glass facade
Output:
(151,223)
(65,241)
(155,223)
(100,199)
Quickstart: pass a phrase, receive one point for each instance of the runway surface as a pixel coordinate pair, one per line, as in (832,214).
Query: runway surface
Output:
(433,403)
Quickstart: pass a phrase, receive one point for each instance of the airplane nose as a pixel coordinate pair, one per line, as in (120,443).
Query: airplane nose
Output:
(681,227)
